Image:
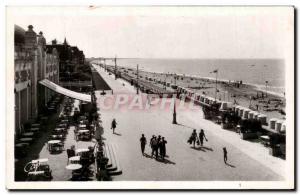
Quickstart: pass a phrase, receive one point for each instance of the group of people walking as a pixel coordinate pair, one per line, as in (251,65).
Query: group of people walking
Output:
(199,140)
(157,144)
(195,139)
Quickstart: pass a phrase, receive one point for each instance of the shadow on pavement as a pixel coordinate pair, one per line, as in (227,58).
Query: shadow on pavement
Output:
(230,165)
(147,155)
(165,161)
(207,148)
(199,149)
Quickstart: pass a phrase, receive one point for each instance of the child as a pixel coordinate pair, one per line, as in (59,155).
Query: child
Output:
(225,155)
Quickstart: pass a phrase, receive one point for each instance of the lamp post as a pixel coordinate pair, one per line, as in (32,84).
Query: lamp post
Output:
(165,84)
(137,79)
(174,113)
(216,72)
(116,68)
(266,88)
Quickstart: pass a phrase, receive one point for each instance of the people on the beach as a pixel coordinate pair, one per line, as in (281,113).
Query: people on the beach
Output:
(225,154)
(143,141)
(202,136)
(113,125)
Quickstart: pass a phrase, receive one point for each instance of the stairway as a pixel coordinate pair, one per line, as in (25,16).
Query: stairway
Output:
(114,165)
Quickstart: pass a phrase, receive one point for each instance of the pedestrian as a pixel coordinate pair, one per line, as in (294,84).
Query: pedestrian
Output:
(151,144)
(193,138)
(202,136)
(113,125)
(225,154)
(143,141)
(158,144)
(163,148)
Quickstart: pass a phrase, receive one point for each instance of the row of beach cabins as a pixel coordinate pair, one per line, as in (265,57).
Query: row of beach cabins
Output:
(274,127)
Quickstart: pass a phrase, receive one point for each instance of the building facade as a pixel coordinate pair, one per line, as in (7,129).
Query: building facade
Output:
(33,62)
(70,57)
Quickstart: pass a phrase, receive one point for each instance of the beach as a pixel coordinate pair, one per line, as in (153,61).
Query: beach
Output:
(270,104)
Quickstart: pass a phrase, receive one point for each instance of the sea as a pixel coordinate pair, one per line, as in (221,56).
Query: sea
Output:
(251,71)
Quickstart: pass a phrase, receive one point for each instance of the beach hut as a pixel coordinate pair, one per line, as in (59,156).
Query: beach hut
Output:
(272,123)
(206,100)
(262,118)
(255,115)
(283,127)
(245,113)
(202,98)
(278,125)
(241,111)
(224,106)
(237,110)
(251,115)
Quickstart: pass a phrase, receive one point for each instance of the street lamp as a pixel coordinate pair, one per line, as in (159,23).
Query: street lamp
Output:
(266,88)
(174,113)
(116,68)
(137,79)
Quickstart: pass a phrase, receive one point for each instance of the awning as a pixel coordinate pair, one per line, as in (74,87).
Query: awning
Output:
(64,91)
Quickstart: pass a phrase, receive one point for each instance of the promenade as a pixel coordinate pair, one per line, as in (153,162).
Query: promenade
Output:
(247,161)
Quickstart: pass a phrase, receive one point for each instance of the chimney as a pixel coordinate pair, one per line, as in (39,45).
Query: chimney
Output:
(41,40)
(54,42)
(30,38)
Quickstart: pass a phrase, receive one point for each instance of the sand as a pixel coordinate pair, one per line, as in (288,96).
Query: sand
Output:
(240,94)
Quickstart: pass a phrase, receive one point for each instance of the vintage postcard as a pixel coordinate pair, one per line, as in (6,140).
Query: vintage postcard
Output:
(149,97)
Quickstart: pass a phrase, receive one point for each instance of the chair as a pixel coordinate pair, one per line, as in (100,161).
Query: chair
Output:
(70,154)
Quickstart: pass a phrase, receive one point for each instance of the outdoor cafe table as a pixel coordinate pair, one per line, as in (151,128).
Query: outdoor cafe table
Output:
(62,125)
(35,125)
(51,142)
(74,167)
(82,126)
(28,134)
(56,136)
(20,145)
(82,150)
(26,139)
(34,129)
(265,140)
(59,129)
(52,109)
(74,159)
(83,131)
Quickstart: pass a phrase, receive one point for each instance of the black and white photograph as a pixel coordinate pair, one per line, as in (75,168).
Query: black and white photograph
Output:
(150,97)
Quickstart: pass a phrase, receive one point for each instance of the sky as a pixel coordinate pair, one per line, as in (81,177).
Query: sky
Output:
(164,32)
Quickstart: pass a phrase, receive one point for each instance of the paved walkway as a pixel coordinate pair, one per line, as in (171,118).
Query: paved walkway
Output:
(248,161)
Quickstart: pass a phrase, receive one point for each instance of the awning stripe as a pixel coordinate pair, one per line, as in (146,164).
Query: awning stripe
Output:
(64,91)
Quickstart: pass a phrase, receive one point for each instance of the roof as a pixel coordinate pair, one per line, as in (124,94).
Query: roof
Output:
(19,35)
